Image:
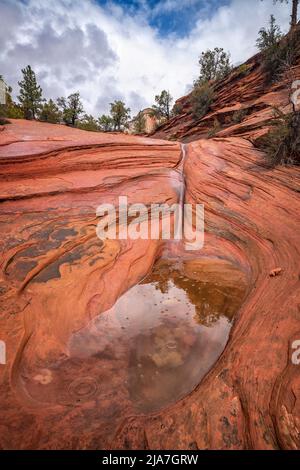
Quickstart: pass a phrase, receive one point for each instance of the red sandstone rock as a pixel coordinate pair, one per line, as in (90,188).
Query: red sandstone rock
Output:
(250,399)
(248,91)
(57,277)
(55,273)
(54,281)
(275,272)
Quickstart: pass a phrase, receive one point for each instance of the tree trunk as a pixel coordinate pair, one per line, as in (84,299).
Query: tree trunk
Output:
(294,13)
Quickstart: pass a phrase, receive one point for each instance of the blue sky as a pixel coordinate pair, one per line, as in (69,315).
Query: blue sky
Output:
(129,50)
(170,17)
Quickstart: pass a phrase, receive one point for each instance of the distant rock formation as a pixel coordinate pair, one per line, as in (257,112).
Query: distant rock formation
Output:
(151,122)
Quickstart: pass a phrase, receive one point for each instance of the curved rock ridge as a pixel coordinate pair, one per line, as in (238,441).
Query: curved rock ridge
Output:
(57,277)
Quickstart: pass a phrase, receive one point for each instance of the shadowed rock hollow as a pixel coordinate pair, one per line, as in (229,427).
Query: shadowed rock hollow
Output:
(73,307)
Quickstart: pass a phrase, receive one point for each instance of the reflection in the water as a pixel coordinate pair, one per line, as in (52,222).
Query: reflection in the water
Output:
(181,327)
(150,349)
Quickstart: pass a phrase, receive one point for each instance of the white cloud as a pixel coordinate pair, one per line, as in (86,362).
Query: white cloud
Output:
(165,6)
(107,54)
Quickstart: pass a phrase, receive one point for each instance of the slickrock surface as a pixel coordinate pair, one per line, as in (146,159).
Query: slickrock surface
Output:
(251,398)
(56,276)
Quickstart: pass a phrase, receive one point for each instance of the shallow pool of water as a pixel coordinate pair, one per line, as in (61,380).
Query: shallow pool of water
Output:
(170,329)
(149,350)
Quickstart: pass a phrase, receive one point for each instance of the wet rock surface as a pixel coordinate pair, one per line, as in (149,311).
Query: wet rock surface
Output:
(252,215)
(67,297)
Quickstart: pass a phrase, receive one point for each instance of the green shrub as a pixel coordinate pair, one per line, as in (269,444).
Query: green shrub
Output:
(88,123)
(139,125)
(14,111)
(177,109)
(243,70)
(282,143)
(215,129)
(281,56)
(269,37)
(50,112)
(10,109)
(105,123)
(3,121)
(239,115)
(202,99)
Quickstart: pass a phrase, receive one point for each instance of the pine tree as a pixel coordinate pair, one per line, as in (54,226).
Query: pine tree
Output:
(162,108)
(105,123)
(214,65)
(120,115)
(269,37)
(30,96)
(72,108)
(50,112)
(278,56)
